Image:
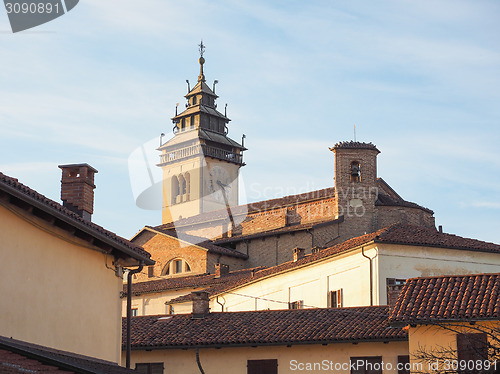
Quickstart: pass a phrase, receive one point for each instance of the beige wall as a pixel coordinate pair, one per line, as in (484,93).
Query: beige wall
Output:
(398,261)
(442,342)
(234,360)
(55,292)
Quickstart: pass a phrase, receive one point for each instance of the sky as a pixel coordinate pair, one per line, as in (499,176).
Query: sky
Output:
(420,79)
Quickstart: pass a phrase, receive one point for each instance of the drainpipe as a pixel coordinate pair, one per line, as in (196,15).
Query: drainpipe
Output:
(129,308)
(371,274)
(198,361)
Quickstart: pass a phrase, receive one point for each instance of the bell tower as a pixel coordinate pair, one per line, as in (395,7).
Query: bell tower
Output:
(200,163)
(356,184)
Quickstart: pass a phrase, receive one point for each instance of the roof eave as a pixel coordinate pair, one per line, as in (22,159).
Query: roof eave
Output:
(75,223)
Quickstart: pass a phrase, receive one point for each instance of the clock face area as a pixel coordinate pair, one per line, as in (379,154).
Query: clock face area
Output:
(218,183)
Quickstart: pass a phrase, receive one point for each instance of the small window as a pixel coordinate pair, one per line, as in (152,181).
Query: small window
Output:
(355,171)
(134,312)
(366,365)
(149,368)
(176,266)
(262,367)
(472,348)
(299,304)
(151,271)
(404,364)
(336,299)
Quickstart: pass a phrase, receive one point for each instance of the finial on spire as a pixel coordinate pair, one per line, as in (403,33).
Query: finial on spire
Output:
(202,48)
(201,77)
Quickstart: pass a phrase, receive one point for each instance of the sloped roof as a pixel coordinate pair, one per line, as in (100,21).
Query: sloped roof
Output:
(278,231)
(199,280)
(20,195)
(448,298)
(199,241)
(21,357)
(395,234)
(266,327)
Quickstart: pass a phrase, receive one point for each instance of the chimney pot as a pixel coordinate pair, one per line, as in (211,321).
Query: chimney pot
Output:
(298,253)
(440,228)
(77,189)
(201,307)
(221,269)
(315,250)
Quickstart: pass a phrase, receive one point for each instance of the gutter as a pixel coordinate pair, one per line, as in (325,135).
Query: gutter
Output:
(259,344)
(371,274)
(129,309)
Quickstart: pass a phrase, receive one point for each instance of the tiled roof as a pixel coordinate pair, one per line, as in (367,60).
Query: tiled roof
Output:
(386,200)
(281,230)
(200,280)
(255,207)
(201,242)
(354,145)
(20,192)
(448,298)
(422,236)
(21,357)
(278,327)
(395,234)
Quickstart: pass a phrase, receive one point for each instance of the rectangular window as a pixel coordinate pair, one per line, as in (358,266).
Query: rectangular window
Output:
(151,272)
(471,348)
(404,364)
(366,365)
(134,312)
(299,304)
(262,367)
(149,368)
(336,299)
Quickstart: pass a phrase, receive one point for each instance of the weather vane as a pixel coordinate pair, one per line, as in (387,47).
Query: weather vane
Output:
(202,48)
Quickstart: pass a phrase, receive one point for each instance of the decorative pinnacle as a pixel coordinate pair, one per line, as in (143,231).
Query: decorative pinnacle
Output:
(201,77)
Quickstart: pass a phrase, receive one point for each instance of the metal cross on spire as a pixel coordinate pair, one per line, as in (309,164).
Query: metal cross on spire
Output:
(202,48)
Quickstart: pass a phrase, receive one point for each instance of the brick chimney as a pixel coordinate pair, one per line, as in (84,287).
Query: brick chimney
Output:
(77,189)
(221,269)
(393,292)
(201,307)
(298,253)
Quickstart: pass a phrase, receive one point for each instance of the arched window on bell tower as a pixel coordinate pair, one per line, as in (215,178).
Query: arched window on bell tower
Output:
(355,171)
(182,186)
(187,178)
(175,189)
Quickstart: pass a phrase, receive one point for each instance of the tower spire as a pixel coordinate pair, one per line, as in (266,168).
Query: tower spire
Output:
(201,77)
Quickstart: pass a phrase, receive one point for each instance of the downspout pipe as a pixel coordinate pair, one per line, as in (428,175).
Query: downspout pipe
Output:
(129,309)
(371,274)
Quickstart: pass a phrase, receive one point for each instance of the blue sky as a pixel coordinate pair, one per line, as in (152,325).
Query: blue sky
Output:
(420,79)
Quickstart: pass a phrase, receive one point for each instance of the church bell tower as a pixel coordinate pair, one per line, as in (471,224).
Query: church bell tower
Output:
(200,163)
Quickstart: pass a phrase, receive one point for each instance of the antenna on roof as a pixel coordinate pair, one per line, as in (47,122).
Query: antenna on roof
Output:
(354,132)
(225,111)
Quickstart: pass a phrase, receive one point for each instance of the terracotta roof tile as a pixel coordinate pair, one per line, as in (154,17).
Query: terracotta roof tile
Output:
(385,200)
(201,242)
(395,234)
(299,326)
(281,230)
(354,145)
(461,297)
(23,357)
(14,188)
(199,280)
